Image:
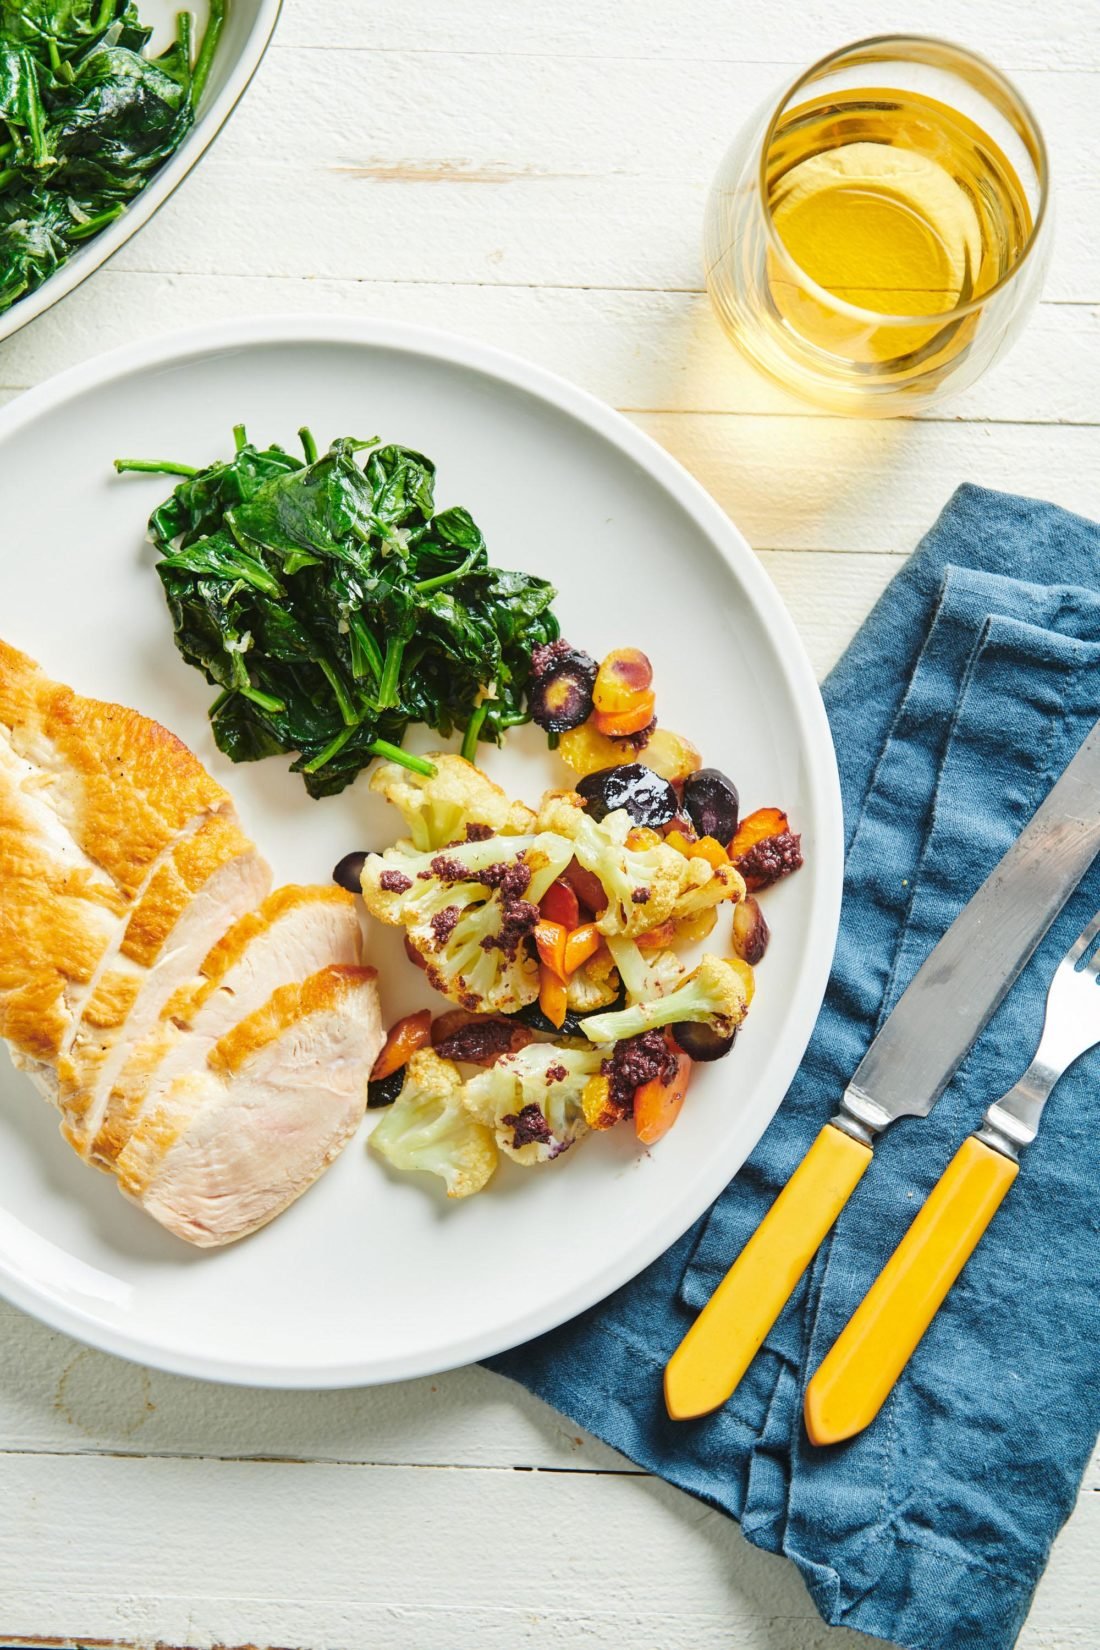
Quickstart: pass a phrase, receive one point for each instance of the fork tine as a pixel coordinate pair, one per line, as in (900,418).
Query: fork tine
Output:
(1083,941)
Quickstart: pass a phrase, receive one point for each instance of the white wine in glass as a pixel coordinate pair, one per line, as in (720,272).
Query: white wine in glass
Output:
(879,238)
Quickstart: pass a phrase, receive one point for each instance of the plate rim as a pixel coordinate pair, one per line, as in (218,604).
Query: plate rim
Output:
(816,745)
(209,123)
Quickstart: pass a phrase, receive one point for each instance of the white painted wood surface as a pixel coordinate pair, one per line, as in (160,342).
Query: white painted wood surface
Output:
(533,175)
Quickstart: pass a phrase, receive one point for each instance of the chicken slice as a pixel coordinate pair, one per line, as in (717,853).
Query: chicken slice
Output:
(121,786)
(294,933)
(58,914)
(211,878)
(230,1146)
(93,800)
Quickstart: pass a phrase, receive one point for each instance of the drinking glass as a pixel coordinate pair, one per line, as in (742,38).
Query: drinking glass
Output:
(875,239)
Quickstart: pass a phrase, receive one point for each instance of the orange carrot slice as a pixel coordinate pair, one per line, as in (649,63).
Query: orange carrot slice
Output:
(755,827)
(552,999)
(656,939)
(657,1105)
(580,944)
(550,940)
(402,1042)
(703,847)
(617,724)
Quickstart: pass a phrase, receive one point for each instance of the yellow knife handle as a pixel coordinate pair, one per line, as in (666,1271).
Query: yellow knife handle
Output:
(729,1331)
(861,1367)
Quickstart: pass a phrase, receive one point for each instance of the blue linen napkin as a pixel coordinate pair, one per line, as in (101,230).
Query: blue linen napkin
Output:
(964,695)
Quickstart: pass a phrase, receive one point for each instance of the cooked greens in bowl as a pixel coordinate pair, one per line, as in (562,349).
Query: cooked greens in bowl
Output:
(86,119)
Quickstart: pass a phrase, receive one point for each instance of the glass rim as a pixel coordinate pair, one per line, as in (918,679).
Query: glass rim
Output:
(816,71)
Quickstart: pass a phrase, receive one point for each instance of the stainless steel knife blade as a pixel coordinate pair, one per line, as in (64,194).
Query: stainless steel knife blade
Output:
(965,976)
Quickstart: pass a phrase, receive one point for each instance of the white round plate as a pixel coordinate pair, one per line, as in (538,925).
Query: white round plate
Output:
(372,1276)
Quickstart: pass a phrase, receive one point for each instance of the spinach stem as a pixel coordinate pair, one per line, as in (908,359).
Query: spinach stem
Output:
(39,149)
(106,12)
(391,672)
(447,578)
(377,747)
(333,747)
(240,437)
(209,45)
(347,709)
(264,700)
(7,175)
(309,446)
(366,655)
(81,231)
(184,26)
(154,467)
(253,571)
(473,729)
(416,764)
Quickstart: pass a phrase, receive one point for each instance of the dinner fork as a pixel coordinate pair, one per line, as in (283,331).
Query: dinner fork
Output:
(862,1366)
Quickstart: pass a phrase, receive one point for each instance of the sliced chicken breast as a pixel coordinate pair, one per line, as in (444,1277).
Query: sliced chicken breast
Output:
(120,785)
(234,1043)
(293,934)
(229,1147)
(212,878)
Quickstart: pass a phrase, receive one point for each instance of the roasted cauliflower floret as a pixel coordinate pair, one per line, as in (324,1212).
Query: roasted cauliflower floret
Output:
(644,885)
(594,985)
(645,974)
(716,993)
(439,810)
(429,1128)
(533,1099)
(468,911)
(707,890)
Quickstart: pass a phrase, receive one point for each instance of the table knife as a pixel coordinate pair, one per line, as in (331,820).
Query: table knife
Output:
(904,1072)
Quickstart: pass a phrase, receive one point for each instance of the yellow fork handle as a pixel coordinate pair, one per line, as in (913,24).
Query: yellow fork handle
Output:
(729,1331)
(860,1369)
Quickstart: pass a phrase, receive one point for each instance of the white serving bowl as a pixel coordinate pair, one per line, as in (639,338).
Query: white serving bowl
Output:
(248,27)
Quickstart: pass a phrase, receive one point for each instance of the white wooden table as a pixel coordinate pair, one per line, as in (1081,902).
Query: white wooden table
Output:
(533,175)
